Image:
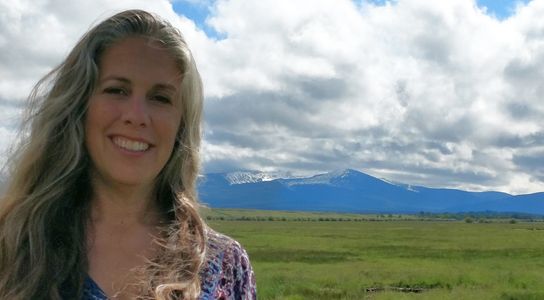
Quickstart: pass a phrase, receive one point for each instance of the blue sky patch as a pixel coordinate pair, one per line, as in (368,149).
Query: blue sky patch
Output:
(501,9)
(199,11)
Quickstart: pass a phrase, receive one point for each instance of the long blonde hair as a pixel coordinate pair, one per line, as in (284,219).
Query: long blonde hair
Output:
(44,212)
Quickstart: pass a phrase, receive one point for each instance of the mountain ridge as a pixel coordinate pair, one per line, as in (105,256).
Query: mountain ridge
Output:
(352,191)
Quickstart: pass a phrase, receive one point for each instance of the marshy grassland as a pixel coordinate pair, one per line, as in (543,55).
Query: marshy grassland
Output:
(300,256)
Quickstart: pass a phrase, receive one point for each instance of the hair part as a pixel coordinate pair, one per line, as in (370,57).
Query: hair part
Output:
(44,213)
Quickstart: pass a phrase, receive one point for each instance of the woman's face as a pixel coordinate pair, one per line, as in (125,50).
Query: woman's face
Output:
(134,113)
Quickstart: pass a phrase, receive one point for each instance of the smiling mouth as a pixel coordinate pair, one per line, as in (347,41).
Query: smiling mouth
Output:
(130,145)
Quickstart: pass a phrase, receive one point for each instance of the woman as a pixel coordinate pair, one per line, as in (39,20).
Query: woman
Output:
(102,201)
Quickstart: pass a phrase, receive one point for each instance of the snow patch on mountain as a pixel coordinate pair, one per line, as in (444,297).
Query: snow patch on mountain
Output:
(407,187)
(325,178)
(243,177)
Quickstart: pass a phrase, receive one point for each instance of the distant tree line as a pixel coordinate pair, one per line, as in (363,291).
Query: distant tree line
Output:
(296,219)
(485,215)
(468,217)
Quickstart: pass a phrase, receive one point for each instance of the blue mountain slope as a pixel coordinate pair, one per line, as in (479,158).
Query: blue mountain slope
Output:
(353,191)
(531,203)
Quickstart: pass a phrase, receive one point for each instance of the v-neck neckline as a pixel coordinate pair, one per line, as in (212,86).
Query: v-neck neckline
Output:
(94,289)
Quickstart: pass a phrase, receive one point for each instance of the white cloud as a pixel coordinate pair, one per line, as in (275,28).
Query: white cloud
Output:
(436,91)
(426,92)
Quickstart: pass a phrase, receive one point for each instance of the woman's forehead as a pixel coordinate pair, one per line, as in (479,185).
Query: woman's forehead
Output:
(139,58)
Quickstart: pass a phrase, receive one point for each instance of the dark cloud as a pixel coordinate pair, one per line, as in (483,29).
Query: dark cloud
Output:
(436,125)
(525,75)
(522,111)
(434,45)
(533,162)
(525,71)
(246,111)
(418,174)
(520,141)
(321,88)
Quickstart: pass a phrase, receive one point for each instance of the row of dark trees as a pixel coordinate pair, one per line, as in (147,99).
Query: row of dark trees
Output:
(482,215)
(468,217)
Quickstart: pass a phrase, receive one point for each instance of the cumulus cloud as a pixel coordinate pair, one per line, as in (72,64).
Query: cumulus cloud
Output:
(437,93)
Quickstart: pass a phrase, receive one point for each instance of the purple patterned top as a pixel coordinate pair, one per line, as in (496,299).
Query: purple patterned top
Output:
(227,275)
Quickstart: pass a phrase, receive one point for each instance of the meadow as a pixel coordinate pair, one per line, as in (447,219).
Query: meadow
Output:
(303,256)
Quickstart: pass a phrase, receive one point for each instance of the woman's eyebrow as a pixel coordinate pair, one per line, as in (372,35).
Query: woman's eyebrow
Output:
(158,86)
(165,86)
(116,78)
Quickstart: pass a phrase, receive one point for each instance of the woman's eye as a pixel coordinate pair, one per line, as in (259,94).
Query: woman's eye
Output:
(115,91)
(162,99)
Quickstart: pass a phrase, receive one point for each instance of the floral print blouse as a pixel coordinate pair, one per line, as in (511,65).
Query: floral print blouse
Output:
(227,275)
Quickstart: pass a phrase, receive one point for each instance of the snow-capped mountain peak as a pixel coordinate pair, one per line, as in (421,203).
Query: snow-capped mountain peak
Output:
(242,177)
(326,178)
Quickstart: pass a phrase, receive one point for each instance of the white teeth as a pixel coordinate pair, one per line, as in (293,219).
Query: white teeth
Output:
(130,144)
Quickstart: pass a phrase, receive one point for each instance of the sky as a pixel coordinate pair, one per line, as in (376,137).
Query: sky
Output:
(436,93)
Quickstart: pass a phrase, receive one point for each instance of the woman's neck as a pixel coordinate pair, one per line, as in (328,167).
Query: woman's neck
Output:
(121,237)
(123,205)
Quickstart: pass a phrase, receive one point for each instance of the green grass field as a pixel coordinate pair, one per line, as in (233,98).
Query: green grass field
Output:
(390,260)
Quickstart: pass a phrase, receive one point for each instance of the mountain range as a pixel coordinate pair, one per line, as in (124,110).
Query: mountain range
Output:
(351,191)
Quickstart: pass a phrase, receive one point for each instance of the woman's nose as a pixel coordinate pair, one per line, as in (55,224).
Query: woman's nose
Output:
(136,111)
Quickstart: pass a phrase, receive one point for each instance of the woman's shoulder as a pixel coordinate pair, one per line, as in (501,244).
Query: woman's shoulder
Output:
(219,243)
(228,273)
